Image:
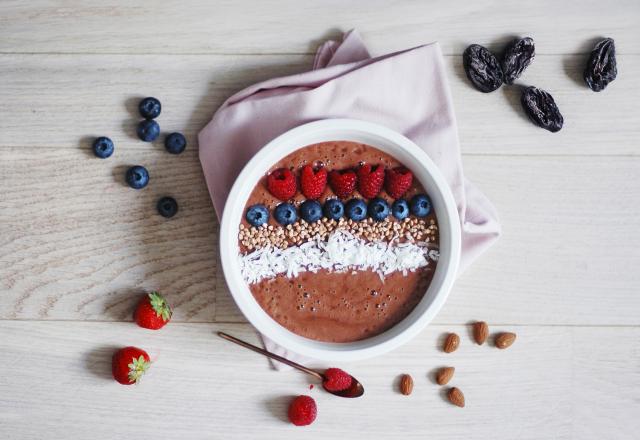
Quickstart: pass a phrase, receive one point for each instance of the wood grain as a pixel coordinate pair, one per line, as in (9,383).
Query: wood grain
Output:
(55,100)
(289,26)
(567,254)
(60,372)
(83,245)
(75,241)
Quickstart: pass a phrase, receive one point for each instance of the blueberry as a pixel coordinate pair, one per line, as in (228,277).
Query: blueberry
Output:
(257,215)
(175,143)
(103,147)
(148,130)
(137,177)
(167,207)
(333,209)
(356,209)
(311,211)
(400,209)
(149,108)
(378,209)
(420,205)
(285,214)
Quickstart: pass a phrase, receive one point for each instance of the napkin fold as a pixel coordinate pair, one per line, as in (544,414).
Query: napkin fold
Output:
(406,91)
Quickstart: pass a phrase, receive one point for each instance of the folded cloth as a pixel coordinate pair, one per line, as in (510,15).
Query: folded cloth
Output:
(406,91)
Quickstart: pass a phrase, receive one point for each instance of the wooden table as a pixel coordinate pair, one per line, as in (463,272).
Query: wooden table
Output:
(77,246)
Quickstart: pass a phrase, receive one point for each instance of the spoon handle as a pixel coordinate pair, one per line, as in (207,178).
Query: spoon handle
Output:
(270,355)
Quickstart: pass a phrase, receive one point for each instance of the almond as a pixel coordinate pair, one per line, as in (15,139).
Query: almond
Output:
(406,384)
(444,375)
(505,340)
(480,332)
(451,343)
(456,397)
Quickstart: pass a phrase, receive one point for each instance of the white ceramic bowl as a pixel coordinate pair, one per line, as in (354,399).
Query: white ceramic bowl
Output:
(405,151)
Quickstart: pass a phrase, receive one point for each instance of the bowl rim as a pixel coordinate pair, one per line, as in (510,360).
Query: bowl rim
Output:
(444,204)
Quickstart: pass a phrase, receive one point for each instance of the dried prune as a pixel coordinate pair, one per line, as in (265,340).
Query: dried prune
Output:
(516,58)
(602,67)
(482,68)
(541,109)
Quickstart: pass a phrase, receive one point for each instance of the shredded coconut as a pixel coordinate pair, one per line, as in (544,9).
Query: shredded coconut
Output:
(340,253)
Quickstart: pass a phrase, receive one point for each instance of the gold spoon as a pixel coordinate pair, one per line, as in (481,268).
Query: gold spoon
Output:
(355,390)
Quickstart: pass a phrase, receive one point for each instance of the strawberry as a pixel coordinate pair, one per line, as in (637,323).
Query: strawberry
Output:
(281,183)
(313,182)
(129,364)
(336,379)
(342,182)
(398,181)
(152,311)
(302,411)
(370,180)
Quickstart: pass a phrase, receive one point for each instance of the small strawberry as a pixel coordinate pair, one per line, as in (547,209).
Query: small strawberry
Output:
(313,182)
(302,411)
(152,311)
(129,364)
(342,182)
(370,180)
(398,181)
(281,183)
(336,379)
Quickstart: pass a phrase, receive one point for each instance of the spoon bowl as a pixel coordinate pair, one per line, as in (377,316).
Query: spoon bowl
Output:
(355,389)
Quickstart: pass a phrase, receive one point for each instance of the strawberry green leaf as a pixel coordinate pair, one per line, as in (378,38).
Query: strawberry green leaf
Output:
(160,306)
(137,368)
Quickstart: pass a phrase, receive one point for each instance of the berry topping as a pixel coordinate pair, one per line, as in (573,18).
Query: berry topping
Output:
(149,108)
(342,182)
(302,411)
(378,209)
(311,211)
(333,209)
(336,379)
(400,209)
(420,205)
(103,147)
(398,181)
(129,364)
(257,215)
(175,143)
(281,183)
(285,214)
(152,312)
(167,207)
(356,209)
(370,180)
(313,182)
(137,177)
(148,130)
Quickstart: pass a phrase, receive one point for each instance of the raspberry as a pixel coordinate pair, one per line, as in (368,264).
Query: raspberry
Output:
(336,379)
(313,182)
(398,181)
(342,182)
(370,180)
(281,183)
(302,411)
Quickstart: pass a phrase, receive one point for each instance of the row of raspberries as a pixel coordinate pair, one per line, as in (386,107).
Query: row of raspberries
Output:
(282,183)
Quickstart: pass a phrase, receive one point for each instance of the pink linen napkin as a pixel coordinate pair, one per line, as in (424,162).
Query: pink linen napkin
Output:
(406,91)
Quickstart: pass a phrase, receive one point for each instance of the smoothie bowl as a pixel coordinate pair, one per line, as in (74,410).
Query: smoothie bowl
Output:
(340,240)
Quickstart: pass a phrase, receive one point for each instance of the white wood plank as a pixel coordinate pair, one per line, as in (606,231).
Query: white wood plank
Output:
(77,244)
(55,101)
(554,382)
(82,244)
(289,26)
(568,253)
